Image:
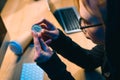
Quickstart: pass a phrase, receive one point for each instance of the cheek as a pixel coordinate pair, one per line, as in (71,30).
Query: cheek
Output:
(100,34)
(97,36)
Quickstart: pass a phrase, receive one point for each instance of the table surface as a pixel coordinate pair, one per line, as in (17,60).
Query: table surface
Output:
(19,16)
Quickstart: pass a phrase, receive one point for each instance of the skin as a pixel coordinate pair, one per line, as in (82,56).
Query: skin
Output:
(96,34)
(50,32)
(43,39)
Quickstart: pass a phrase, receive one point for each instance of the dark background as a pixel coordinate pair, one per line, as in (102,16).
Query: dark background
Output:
(113,37)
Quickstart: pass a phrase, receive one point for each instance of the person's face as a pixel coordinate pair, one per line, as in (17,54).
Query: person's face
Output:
(91,26)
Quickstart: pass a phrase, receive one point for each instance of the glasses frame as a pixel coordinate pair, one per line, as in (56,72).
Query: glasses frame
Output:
(83,27)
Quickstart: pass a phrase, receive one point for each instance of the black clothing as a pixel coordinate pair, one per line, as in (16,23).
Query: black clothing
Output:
(87,59)
(112,40)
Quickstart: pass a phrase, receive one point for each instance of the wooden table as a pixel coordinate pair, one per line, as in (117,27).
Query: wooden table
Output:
(19,16)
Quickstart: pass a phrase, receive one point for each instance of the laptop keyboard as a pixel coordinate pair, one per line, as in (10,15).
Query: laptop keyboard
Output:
(30,71)
(68,19)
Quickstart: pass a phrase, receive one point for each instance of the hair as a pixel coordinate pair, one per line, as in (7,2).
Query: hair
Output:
(96,7)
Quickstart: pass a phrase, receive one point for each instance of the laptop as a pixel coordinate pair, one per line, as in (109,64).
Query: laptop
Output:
(68,18)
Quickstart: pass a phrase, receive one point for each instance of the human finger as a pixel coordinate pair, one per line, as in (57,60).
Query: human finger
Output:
(47,24)
(52,33)
(48,41)
(36,42)
(43,44)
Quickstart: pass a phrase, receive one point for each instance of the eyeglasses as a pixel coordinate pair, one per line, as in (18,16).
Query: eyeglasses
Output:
(84,24)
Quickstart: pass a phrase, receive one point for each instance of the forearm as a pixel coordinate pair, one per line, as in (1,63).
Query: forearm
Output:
(73,52)
(56,69)
(64,45)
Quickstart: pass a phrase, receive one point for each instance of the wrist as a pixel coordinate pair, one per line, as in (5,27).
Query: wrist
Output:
(44,57)
(57,35)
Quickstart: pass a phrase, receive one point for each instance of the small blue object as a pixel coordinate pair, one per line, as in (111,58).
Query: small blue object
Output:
(36,28)
(16,47)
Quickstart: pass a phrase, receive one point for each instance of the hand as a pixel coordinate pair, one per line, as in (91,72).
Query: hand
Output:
(42,51)
(49,31)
